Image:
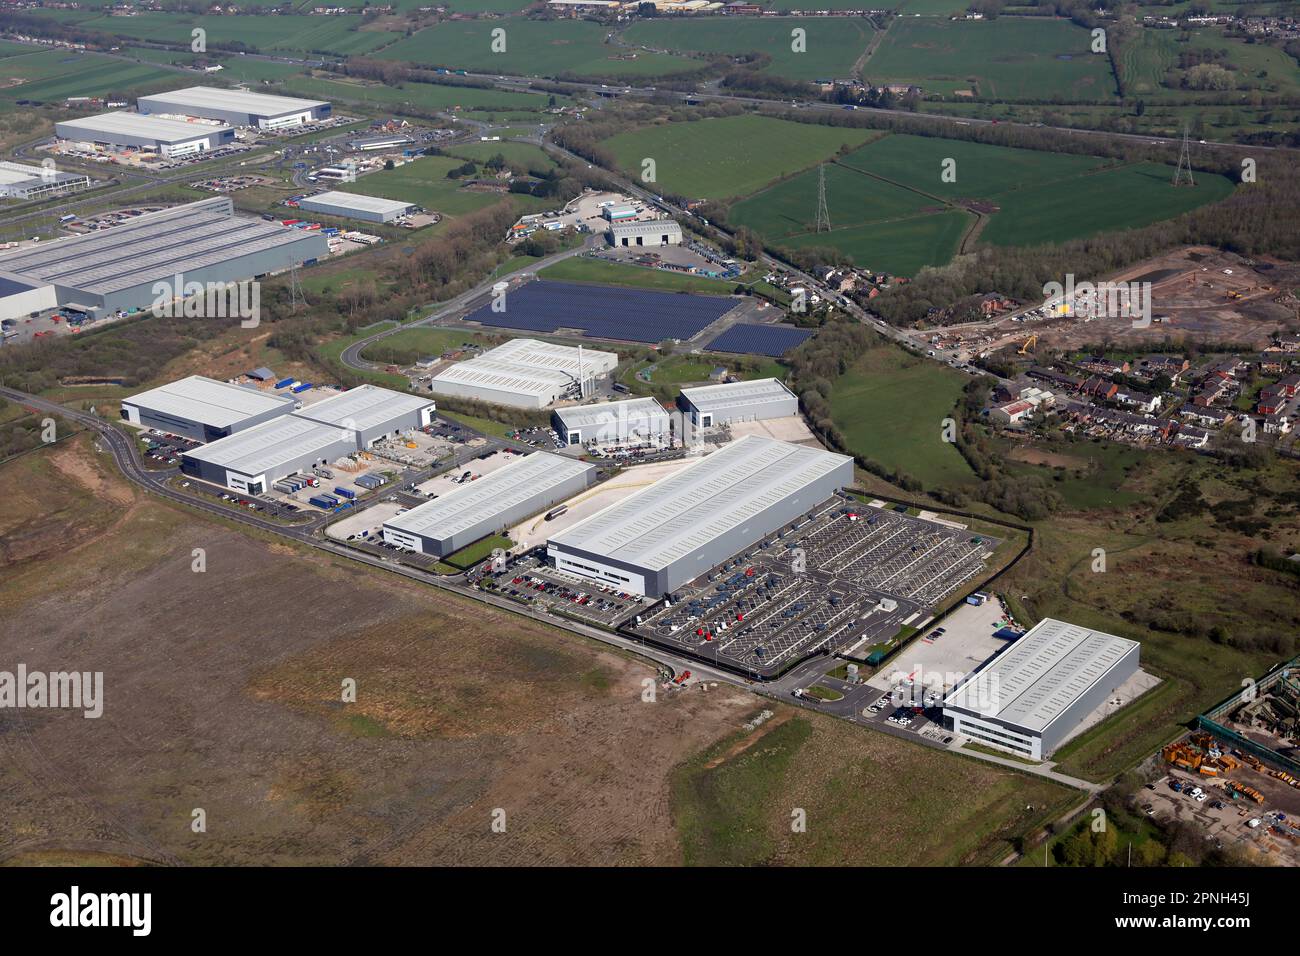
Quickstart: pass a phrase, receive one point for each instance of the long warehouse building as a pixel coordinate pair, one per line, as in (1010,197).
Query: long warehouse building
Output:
(663,536)
(167,137)
(118,269)
(203,408)
(20,181)
(710,405)
(237,107)
(255,458)
(372,412)
(495,502)
(355,206)
(525,373)
(641,419)
(1034,695)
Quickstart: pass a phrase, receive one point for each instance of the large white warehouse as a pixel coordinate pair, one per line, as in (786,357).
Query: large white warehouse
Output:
(1033,695)
(372,412)
(203,408)
(640,419)
(710,405)
(168,137)
(496,501)
(256,458)
(236,107)
(671,532)
(525,373)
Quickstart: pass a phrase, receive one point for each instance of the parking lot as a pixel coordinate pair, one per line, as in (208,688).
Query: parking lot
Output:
(163,451)
(844,577)
(530,581)
(948,651)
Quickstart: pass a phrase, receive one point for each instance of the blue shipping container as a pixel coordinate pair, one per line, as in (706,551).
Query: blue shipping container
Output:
(301,388)
(345,492)
(283,382)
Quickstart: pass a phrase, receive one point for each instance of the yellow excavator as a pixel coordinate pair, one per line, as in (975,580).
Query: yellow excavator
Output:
(1029,343)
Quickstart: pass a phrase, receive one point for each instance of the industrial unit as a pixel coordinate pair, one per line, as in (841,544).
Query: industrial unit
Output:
(710,405)
(641,419)
(353,206)
(658,232)
(18,181)
(166,137)
(671,532)
(203,408)
(252,460)
(489,505)
(1032,696)
(615,213)
(372,412)
(117,269)
(236,107)
(525,373)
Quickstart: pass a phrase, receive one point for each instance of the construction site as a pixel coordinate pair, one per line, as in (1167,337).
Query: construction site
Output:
(1237,775)
(1197,292)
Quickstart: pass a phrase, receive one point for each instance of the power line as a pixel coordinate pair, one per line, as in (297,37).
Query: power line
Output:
(1185,162)
(823,223)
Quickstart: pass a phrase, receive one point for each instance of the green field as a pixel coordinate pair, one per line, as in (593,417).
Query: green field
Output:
(532,48)
(1126,198)
(336,34)
(425,182)
(523,155)
(587,269)
(48,75)
(891,210)
(410,345)
(981,171)
(890,407)
(1007,58)
(730,156)
(789,208)
(733,803)
(432,96)
(900,247)
(1150,60)
(833,45)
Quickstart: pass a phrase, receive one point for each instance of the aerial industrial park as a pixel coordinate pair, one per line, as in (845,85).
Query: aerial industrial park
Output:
(654,435)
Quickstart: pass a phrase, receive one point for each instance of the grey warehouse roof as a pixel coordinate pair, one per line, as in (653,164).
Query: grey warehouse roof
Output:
(149,248)
(1036,679)
(365,406)
(509,486)
(651,228)
(206,400)
(263,447)
(676,515)
(527,366)
(257,104)
(707,398)
(610,413)
(362,203)
(134,124)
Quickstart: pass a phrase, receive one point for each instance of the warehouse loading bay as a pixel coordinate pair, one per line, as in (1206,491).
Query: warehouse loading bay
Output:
(869,571)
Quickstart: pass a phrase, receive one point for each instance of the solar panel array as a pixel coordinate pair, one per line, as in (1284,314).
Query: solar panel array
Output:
(629,315)
(751,339)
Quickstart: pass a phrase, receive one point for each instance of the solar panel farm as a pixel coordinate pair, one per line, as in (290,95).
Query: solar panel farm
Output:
(603,312)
